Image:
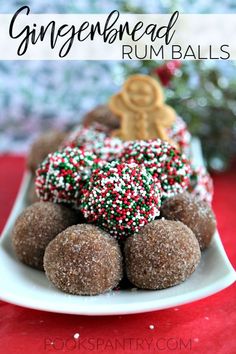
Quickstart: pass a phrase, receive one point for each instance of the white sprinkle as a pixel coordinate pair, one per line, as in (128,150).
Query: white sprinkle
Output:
(176,309)
(151,326)
(207,318)
(196,340)
(76,335)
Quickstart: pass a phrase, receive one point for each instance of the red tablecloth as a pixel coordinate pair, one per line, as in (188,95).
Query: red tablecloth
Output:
(206,326)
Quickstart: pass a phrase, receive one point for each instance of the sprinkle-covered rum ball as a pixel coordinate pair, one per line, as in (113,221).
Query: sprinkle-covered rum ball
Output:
(165,163)
(110,149)
(121,198)
(179,133)
(96,140)
(201,184)
(62,175)
(86,137)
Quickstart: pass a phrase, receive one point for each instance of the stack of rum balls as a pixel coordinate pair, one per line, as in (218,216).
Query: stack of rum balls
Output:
(108,213)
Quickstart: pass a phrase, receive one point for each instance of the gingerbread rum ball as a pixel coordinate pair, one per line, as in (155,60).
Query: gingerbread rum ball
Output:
(61,176)
(165,163)
(36,226)
(94,139)
(45,144)
(201,184)
(163,254)
(194,213)
(83,260)
(121,198)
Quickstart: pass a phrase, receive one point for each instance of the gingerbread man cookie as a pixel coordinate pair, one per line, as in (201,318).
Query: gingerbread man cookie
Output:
(141,109)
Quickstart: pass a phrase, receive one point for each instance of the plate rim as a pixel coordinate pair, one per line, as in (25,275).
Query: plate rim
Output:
(119,309)
(122,309)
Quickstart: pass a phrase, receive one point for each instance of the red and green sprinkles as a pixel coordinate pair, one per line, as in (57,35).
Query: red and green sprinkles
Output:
(62,174)
(201,184)
(95,140)
(86,137)
(121,198)
(165,163)
(179,133)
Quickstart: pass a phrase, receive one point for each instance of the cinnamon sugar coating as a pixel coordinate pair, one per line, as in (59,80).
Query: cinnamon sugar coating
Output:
(83,260)
(194,213)
(103,115)
(46,143)
(36,226)
(163,254)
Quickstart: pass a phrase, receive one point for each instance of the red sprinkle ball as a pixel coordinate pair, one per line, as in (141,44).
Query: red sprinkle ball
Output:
(96,140)
(121,198)
(165,163)
(62,174)
(201,184)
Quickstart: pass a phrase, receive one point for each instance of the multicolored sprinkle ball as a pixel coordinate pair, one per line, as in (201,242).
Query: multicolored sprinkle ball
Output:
(121,198)
(201,184)
(179,133)
(165,163)
(86,137)
(96,140)
(62,174)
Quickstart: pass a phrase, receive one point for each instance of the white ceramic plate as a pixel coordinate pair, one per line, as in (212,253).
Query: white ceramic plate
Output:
(27,287)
